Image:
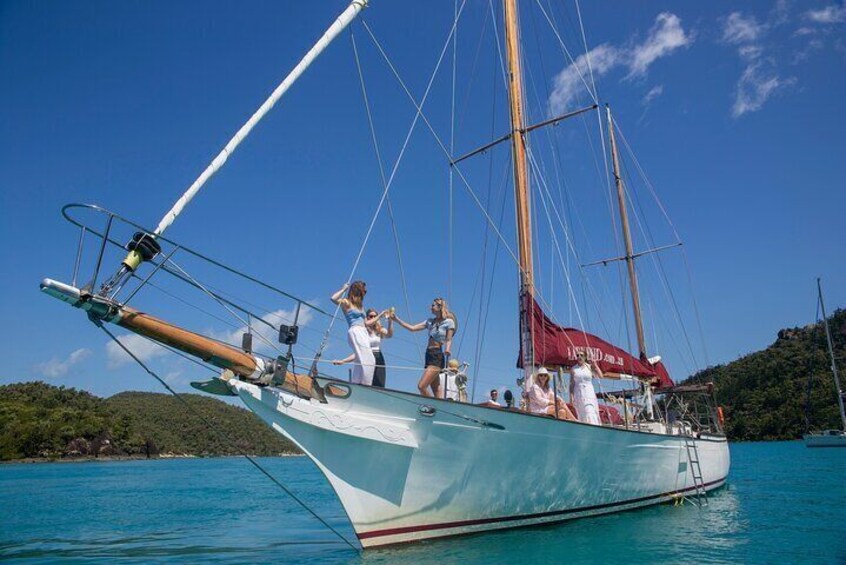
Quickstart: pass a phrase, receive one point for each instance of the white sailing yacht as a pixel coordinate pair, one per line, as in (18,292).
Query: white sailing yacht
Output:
(407,467)
(829,438)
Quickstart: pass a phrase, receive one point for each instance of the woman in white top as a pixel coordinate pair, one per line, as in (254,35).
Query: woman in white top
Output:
(581,389)
(541,398)
(376,333)
(441,326)
(353,307)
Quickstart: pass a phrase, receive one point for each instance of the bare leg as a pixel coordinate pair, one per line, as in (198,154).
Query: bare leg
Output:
(429,380)
(564,412)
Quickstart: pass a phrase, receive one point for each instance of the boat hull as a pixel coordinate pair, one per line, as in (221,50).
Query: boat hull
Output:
(826,439)
(404,474)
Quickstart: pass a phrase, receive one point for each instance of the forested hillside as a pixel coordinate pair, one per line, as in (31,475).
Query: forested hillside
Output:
(764,394)
(38,420)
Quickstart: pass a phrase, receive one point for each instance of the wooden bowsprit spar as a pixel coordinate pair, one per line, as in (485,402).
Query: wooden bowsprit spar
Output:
(246,365)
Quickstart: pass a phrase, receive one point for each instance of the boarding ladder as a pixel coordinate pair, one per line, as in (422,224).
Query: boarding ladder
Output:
(700,494)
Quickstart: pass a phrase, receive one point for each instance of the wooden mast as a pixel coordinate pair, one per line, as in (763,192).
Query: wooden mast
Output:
(627,235)
(521,179)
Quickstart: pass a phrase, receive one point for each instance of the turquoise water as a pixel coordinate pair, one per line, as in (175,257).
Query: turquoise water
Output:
(784,503)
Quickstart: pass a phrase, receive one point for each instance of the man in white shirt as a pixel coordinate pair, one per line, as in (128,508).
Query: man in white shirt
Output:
(493,401)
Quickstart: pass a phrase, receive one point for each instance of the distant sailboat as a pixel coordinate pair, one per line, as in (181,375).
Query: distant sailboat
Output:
(829,438)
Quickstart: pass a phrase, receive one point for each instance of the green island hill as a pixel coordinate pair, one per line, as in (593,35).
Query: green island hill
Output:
(42,421)
(780,392)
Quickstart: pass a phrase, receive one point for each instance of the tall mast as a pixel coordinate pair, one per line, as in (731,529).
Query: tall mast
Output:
(831,354)
(521,179)
(627,235)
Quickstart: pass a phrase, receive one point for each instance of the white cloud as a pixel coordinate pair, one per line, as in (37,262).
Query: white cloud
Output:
(760,78)
(833,14)
(56,367)
(780,13)
(805,53)
(140,346)
(263,331)
(654,93)
(750,52)
(739,28)
(570,82)
(757,84)
(666,36)
(173,377)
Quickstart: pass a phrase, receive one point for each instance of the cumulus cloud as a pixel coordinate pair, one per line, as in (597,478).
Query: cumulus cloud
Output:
(665,36)
(833,14)
(56,367)
(569,82)
(140,346)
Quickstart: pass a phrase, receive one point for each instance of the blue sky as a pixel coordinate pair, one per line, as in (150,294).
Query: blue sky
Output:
(734,113)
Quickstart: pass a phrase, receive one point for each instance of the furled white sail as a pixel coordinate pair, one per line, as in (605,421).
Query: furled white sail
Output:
(336,28)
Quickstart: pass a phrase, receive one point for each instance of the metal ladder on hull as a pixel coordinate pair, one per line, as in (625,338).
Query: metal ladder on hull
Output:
(700,494)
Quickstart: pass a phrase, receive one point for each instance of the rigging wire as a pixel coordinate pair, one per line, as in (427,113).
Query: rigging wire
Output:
(418,114)
(469,88)
(685,259)
(587,52)
(483,323)
(660,270)
(440,142)
(452,152)
(384,184)
(567,52)
(226,439)
(225,306)
(480,330)
(607,192)
(438,139)
(595,96)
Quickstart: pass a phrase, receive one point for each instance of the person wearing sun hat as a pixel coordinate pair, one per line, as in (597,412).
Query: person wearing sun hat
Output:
(542,399)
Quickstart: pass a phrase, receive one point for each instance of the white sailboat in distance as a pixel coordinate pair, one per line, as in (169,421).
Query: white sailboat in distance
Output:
(407,467)
(829,438)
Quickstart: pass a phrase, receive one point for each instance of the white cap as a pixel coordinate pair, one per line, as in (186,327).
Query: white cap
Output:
(542,371)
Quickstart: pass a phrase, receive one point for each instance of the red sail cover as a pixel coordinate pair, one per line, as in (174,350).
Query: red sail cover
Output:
(555,345)
(664,380)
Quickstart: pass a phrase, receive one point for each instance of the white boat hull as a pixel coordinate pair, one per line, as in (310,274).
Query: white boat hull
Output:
(826,439)
(403,476)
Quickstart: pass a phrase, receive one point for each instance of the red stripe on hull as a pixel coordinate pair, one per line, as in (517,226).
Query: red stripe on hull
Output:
(464,523)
